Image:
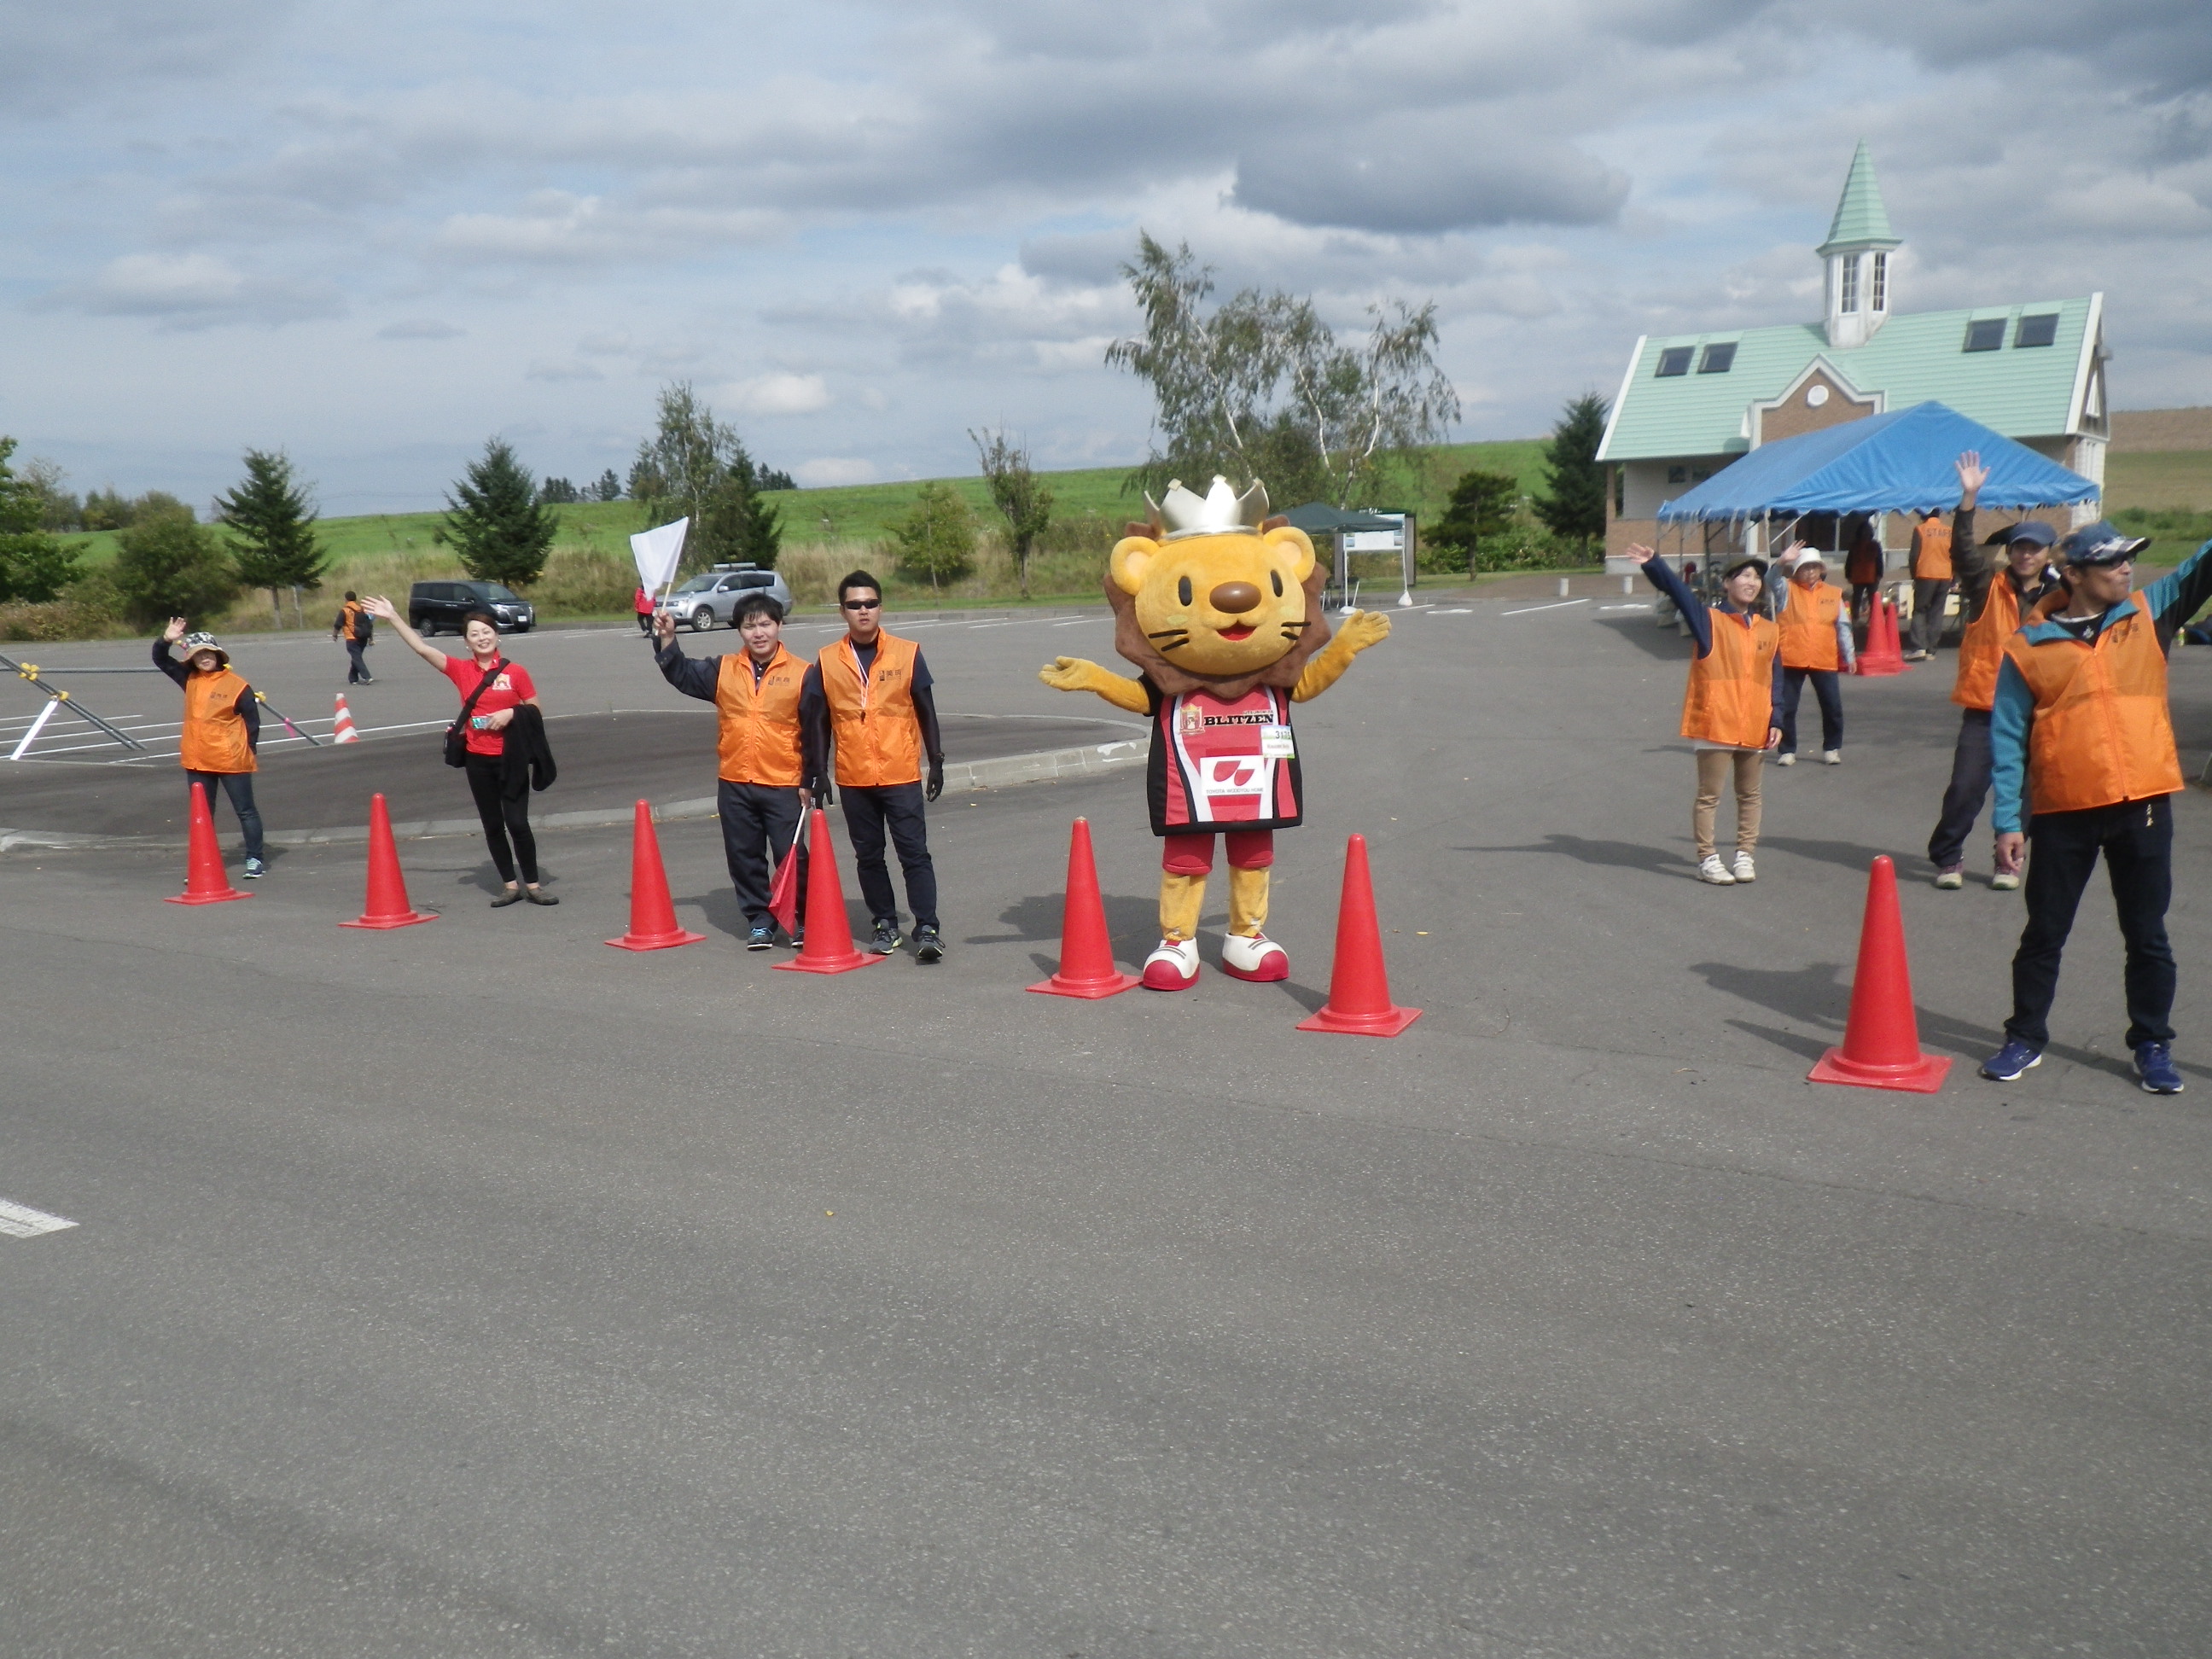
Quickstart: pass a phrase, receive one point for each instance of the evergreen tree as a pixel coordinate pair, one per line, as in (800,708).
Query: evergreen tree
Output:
(271,522)
(1576,508)
(1481,506)
(33,566)
(166,565)
(557,492)
(495,522)
(609,488)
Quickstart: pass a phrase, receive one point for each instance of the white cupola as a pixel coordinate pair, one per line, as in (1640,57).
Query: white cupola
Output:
(1858,254)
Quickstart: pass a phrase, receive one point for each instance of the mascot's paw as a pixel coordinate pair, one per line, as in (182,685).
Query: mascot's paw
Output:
(1258,958)
(1071,674)
(1173,967)
(1361,628)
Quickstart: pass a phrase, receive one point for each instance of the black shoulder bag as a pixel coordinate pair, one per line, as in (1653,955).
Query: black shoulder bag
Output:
(456,734)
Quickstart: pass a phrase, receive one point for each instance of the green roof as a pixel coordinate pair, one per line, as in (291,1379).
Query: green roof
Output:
(2023,392)
(1861,220)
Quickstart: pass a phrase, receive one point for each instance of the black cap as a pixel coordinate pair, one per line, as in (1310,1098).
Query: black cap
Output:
(2101,543)
(2028,530)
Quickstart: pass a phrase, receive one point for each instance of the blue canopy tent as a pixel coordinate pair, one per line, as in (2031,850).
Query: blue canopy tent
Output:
(1896,463)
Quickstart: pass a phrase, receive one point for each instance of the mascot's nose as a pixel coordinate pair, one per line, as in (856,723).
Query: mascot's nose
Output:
(1236,597)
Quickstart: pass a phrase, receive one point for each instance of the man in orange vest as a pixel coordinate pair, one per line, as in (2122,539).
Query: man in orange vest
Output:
(1995,599)
(2085,764)
(1816,645)
(868,698)
(357,628)
(221,735)
(762,785)
(1931,584)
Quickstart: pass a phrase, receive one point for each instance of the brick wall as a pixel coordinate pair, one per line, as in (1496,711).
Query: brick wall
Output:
(2135,431)
(1797,416)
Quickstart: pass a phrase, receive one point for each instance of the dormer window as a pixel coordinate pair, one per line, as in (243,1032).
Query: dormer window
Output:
(2041,329)
(1847,270)
(1880,295)
(1675,359)
(1988,335)
(1718,360)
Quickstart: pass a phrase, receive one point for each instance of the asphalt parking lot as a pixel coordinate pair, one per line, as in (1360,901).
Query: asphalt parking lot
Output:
(475,1289)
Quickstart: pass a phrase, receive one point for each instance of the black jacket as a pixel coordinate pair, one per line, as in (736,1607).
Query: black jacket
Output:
(526,763)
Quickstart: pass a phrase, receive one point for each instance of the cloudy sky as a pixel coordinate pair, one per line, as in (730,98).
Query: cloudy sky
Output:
(375,234)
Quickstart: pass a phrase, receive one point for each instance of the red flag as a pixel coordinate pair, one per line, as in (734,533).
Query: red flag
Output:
(783,892)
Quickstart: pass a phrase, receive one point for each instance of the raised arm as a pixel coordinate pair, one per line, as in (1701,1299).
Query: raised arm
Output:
(1972,566)
(384,610)
(1691,608)
(1079,674)
(693,678)
(165,658)
(1358,630)
(2173,600)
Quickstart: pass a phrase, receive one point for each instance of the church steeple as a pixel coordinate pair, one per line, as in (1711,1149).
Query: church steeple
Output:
(1858,254)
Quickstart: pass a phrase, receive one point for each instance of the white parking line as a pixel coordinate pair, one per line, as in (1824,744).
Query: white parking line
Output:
(1530,611)
(1453,611)
(20,1221)
(1072,621)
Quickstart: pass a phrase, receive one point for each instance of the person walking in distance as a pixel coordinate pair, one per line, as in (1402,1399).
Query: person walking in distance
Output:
(2084,764)
(1728,706)
(222,737)
(357,628)
(763,789)
(1996,596)
(1864,561)
(1931,584)
(867,697)
(642,603)
(495,694)
(1816,645)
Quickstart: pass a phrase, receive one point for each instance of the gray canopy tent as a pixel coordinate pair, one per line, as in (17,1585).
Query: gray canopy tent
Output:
(1351,532)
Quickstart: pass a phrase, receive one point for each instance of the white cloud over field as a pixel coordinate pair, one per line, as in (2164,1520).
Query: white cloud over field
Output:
(376,235)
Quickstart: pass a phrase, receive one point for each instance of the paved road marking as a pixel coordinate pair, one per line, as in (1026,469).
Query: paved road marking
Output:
(1453,611)
(1625,607)
(1072,621)
(1530,611)
(18,1221)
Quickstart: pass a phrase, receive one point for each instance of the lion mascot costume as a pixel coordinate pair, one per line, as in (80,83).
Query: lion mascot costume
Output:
(1218,605)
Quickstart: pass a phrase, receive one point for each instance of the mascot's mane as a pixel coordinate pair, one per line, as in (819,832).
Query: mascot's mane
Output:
(1129,640)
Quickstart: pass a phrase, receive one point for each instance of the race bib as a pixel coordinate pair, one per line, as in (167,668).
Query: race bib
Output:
(1276,742)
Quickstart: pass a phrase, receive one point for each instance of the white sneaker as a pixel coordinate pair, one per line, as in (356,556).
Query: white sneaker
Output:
(2005,881)
(1832,757)
(1951,877)
(1712,870)
(1744,869)
(1173,967)
(1258,958)
(1790,759)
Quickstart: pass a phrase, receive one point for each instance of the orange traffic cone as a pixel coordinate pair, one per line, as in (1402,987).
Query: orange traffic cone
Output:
(341,728)
(651,912)
(387,888)
(1883,654)
(829,947)
(1086,950)
(1881,1043)
(1358,986)
(206,882)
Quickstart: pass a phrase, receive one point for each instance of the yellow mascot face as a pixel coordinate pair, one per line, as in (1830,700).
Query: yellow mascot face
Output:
(1218,604)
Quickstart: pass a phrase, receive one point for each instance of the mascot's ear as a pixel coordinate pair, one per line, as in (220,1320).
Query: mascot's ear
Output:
(1294,541)
(1132,557)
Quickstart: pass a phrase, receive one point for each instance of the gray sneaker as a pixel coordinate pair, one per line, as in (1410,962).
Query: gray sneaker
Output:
(886,939)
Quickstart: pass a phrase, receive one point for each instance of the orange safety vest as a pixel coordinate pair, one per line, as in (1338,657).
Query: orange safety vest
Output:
(1983,643)
(760,722)
(1730,696)
(1808,628)
(2102,732)
(871,718)
(1931,557)
(214,738)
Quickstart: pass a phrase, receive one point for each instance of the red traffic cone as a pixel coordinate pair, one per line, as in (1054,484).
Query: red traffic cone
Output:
(651,912)
(1883,654)
(387,888)
(829,947)
(1086,951)
(1358,986)
(341,725)
(206,882)
(1882,1043)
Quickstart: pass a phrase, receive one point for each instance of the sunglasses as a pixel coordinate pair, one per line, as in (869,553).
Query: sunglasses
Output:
(864,605)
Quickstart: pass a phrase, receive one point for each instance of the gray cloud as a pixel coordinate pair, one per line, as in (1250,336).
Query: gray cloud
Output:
(420,328)
(194,291)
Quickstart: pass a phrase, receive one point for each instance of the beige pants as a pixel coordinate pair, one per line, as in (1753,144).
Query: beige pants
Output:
(1713,766)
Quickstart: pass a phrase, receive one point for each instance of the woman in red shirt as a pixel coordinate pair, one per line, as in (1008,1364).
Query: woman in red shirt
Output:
(506,818)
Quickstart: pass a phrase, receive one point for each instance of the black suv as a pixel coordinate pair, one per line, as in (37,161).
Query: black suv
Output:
(432,606)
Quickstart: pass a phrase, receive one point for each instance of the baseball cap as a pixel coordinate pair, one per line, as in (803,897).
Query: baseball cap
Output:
(2101,543)
(2028,530)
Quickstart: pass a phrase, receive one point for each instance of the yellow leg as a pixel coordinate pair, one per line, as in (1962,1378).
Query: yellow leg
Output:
(1181,897)
(1248,902)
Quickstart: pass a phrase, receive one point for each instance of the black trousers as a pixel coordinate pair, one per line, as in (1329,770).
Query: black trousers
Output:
(239,786)
(359,669)
(1971,764)
(758,823)
(504,820)
(1929,598)
(2136,838)
(896,807)
(1828,691)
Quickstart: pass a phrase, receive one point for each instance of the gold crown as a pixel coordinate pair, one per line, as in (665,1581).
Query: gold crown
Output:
(1220,511)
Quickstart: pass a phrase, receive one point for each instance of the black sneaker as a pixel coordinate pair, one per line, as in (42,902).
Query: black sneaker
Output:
(886,940)
(927,946)
(762,938)
(798,937)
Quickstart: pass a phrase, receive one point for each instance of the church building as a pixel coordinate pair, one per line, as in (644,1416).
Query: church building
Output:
(1690,403)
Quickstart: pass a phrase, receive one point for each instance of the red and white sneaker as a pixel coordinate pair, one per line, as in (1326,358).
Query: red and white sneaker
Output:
(1173,967)
(1258,958)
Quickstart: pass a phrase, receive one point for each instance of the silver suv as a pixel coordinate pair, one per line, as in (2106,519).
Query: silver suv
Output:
(710,599)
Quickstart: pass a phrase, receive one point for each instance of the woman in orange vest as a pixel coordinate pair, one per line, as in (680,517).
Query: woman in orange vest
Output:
(1728,708)
(868,697)
(222,729)
(1816,645)
(1931,584)
(762,788)
(2084,764)
(1994,599)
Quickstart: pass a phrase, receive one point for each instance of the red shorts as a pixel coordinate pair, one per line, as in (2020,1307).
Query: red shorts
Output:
(1193,854)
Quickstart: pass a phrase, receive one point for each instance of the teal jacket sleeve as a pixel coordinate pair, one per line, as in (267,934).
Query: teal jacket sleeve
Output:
(2010,717)
(2173,600)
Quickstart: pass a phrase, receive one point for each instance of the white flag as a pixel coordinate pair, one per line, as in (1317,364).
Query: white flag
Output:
(657,551)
